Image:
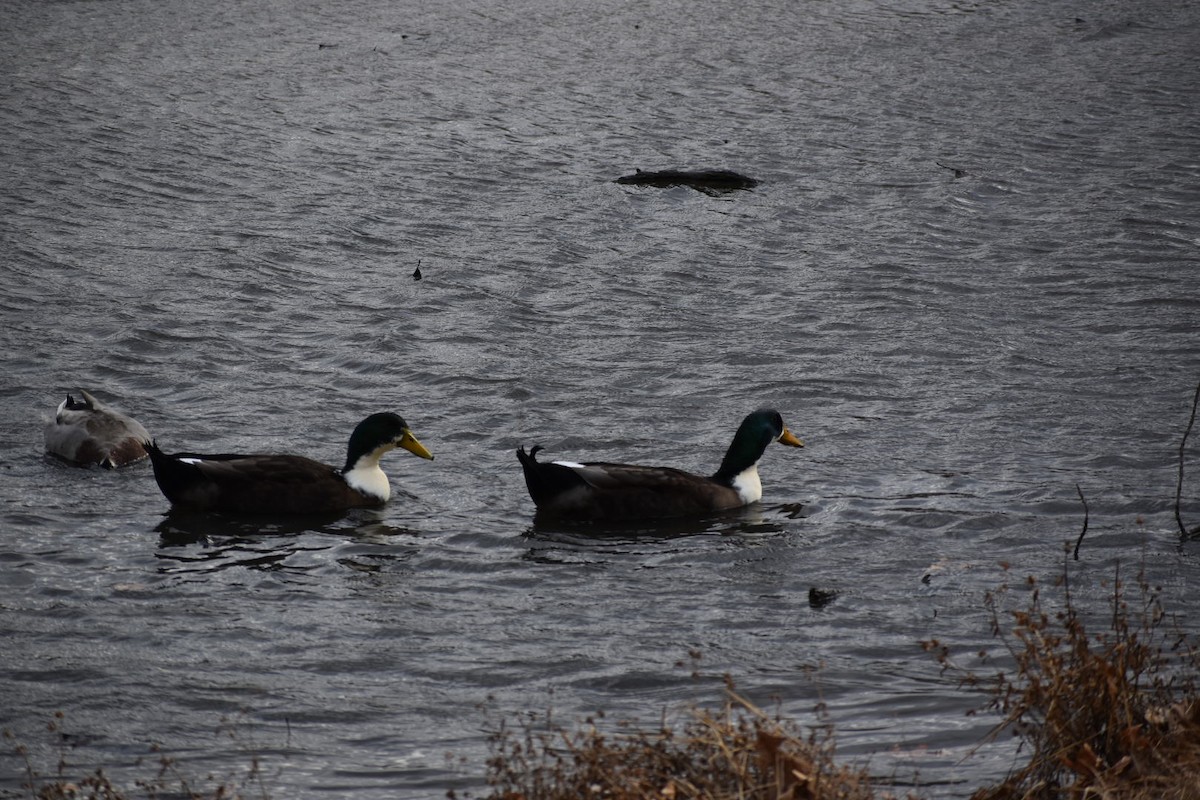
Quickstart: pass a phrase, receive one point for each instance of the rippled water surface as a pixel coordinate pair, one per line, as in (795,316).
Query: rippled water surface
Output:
(967,280)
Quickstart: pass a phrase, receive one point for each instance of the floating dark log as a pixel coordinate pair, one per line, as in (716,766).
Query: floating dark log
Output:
(721,180)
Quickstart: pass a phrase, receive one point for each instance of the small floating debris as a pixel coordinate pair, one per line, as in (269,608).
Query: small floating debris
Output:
(792,510)
(819,598)
(958,173)
(704,180)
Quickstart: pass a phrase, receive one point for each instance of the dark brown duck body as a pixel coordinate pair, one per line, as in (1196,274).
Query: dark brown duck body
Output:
(286,484)
(602,491)
(599,491)
(254,484)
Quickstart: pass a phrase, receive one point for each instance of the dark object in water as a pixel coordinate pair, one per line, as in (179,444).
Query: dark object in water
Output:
(819,598)
(724,180)
(958,173)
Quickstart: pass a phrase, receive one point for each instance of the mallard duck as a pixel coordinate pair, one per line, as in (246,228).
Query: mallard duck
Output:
(286,484)
(88,433)
(599,491)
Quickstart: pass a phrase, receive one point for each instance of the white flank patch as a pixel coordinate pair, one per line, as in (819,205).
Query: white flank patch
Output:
(192,460)
(748,485)
(571,464)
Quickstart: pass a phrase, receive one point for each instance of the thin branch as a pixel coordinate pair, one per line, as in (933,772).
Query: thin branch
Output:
(1079,541)
(1179,484)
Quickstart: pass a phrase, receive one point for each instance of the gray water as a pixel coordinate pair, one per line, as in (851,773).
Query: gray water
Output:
(967,280)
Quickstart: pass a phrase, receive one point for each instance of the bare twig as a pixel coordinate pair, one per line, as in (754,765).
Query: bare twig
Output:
(1079,541)
(1179,483)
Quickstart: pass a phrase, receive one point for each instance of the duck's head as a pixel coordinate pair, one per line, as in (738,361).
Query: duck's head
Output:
(768,421)
(379,433)
(757,430)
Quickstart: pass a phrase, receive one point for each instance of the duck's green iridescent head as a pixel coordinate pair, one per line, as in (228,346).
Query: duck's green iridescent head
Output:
(379,433)
(757,430)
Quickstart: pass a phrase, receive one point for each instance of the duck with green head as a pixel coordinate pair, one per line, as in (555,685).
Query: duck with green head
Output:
(599,491)
(286,484)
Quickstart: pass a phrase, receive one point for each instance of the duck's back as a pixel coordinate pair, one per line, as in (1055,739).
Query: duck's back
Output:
(95,436)
(604,491)
(253,484)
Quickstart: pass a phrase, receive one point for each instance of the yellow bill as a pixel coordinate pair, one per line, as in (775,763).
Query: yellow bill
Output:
(410,443)
(788,438)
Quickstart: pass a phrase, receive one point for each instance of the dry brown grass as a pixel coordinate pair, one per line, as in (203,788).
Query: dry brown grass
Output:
(1112,715)
(739,752)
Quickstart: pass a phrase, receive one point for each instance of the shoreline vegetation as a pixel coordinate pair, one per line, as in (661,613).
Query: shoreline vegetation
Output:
(1103,706)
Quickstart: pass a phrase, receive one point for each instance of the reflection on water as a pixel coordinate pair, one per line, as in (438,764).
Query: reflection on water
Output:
(181,528)
(749,519)
(194,542)
(744,526)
